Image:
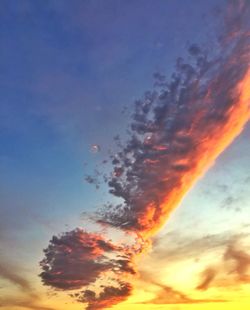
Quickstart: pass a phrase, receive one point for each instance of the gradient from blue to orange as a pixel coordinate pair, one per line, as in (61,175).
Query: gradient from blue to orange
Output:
(67,70)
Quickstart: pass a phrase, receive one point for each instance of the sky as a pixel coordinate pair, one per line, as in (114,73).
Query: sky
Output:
(122,184)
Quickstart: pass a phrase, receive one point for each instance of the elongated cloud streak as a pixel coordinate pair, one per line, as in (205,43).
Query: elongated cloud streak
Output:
(6,272)
(29,298)
(177,132)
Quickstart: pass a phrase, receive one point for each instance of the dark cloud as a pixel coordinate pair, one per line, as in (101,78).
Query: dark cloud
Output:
(92,180)
(77,259)
(110,296)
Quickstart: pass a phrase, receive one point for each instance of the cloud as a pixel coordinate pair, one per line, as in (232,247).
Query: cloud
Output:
(9,273)
(232,266)
(208,276)
(78,259)
(29,298)
(233,269)
(176,133)
(241,262)
(174,246)
(110,296)
(169,295)
(27,303)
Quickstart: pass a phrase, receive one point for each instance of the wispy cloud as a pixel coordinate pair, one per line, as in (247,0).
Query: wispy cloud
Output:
(170,295)
(28,299)
(232,270)
(9,273)
(27,303)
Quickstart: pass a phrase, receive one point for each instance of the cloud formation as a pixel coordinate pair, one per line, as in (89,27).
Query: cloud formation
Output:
(29,298)
(241,260)
(111,295)
(7,273)
(233,269)
(208,276)
(169,296)
(176,133)
(26,303)
(77,259)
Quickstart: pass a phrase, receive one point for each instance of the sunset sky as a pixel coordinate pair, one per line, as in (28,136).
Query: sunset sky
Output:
(124,186)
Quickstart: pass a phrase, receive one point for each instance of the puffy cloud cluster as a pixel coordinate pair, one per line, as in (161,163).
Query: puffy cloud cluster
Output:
(77,259)
(111,295)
